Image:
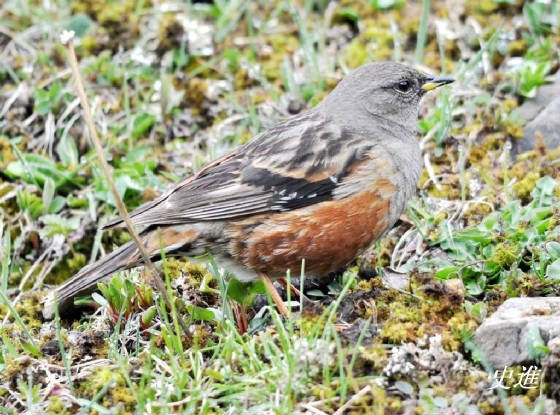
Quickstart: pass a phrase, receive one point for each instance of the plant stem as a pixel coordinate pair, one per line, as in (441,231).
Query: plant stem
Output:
(108,175)
(422,32)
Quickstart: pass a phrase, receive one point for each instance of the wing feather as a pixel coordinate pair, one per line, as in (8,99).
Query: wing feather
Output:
(296,163)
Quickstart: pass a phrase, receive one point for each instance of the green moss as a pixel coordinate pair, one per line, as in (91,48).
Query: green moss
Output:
(402,323)
(29,309)
(375,354)
(66,268)
(119,397)
(505,254)
(6,153)
(525,186)
(170,31)
(57,406)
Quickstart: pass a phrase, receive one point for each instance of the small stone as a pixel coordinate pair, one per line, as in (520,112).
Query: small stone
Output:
(295,105)
(397,280)
(502,338)
(50,348)
(546,124)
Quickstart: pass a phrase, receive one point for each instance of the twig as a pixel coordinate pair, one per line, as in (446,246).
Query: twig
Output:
(348,404)
(67,38)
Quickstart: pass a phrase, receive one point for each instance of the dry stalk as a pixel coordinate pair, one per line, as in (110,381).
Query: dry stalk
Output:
(67,40)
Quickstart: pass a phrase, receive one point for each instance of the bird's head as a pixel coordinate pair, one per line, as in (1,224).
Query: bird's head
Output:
(389,90)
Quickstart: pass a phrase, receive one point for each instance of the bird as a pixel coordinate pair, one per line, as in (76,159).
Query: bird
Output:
(320,187)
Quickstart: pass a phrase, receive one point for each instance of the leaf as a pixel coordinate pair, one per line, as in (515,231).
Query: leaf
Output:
(535,343)
(31,349)
(474,287)
(67,151)
(316,293)
(553,249)
(80,24)
(203,314)
(443,274)
(385,4)
(349,14)
(404,387)
(99,299)
(553,270)
(142,123)
(57,204)
(236,290)
(48,194)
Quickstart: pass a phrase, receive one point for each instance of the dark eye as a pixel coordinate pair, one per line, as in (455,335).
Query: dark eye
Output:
(403,86)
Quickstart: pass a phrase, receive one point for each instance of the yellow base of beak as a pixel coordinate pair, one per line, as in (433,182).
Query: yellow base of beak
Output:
(436,82)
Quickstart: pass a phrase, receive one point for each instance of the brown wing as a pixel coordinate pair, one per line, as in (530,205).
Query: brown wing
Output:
(299,162)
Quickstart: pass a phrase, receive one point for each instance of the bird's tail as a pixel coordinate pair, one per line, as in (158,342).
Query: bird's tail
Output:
(85,281)
(174,240)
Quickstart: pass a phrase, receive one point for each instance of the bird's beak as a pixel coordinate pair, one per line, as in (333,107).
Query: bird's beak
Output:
(433,82)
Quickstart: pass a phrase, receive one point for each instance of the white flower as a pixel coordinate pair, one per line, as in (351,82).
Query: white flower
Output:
(66,36)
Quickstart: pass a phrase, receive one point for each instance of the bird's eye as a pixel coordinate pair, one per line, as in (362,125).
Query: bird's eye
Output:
(403,86)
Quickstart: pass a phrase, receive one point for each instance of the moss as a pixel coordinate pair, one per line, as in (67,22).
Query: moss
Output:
(195,94)
(363,285)
(402,325)
(196,272)
(355,53)
(6,152)
(119,396)
(525,186)
(374,44)
(505,254)
(476,212)
(375,354)
(58,407)
(307,323)
(170,33)
(66,268)
(518,47)
(118,23)
(29,309)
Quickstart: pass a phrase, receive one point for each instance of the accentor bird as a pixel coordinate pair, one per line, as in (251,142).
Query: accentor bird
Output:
(320,186)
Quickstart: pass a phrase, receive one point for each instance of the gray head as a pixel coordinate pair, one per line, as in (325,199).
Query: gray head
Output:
(387,91)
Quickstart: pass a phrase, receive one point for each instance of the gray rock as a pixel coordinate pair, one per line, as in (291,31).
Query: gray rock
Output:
(545,95)
(547,124)
(502,338)
(541,114)
(394,279)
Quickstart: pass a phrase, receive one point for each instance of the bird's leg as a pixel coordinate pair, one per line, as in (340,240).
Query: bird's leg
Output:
(305,300)
(295,292)
(274,294)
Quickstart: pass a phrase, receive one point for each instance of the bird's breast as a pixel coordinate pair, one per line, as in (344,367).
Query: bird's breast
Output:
(328,235)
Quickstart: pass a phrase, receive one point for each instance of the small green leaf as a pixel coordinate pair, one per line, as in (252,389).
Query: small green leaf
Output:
(80,24)
(203,314)
(236,290)
(142,123)
(445,273)
(404,387)
(553,270)
(535,343)
(316,293)
(99,299)
(553,249)
(57,204)
(67,151)
(48,194)
(148,315)
(31,349)
(349,14)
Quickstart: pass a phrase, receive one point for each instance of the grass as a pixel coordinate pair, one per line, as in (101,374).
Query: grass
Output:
(204,79)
